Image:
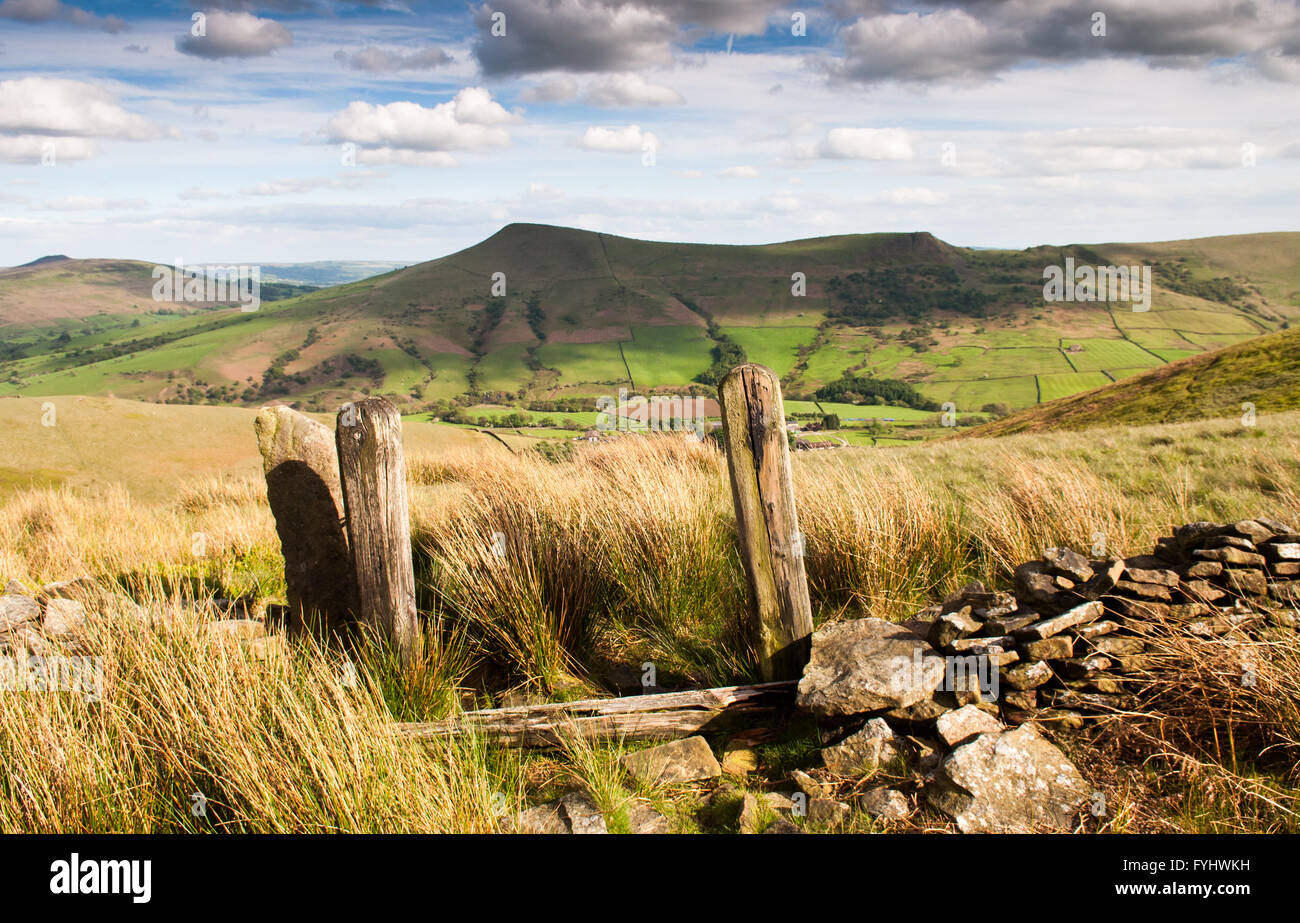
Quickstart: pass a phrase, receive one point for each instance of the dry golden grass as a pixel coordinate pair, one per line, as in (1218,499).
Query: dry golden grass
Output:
(621,555)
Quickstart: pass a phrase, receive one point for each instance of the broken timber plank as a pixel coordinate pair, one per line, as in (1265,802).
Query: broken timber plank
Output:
(636,717)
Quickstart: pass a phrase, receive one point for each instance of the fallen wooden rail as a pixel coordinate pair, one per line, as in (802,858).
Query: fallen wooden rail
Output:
(663,716)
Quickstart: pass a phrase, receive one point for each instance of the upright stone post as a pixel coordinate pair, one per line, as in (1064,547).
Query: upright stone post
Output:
(771,546)
(302,485)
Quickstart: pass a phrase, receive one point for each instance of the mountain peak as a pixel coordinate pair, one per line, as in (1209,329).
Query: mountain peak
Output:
(55,258)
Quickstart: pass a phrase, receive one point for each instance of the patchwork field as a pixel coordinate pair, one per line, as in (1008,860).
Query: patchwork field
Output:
(587,312)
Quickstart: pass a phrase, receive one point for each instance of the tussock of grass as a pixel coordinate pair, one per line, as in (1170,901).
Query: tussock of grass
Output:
(285,744)
(622,554)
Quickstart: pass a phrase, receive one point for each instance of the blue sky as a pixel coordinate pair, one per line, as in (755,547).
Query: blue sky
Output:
(301,129)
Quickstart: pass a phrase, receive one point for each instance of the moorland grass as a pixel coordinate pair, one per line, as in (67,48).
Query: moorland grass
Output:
(621,555)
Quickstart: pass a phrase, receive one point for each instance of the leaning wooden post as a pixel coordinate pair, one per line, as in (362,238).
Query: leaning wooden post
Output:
(369,437)
(758,458)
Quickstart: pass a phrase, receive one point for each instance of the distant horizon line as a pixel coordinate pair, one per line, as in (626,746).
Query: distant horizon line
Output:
(404,262)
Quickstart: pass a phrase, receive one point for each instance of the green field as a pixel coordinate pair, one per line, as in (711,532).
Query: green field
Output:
(584,362)
(1064,384)
(775,347)
(1020,391)
(659,356)
(503,370)
(1099,354)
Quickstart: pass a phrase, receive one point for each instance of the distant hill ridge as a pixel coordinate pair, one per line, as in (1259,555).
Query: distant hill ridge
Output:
(544,313)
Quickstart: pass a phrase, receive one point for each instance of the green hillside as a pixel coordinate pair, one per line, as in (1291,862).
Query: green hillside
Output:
(1263,372)
(584,314)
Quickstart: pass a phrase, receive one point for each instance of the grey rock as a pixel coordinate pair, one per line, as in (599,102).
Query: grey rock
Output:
(1144,591)
(1036,587)
(1007,624)
(867,665)
(885,802)
(1057,647)
(957,727)
(1251,529)
(1095,630)
(15,610)
(1109,645)
(827,812)
(1231,556)
(1065,562)
(685,760)
(544,818)
(301,465)
(951,627)
(1027,675)
(808,785)
(1008,782)
(1079,615)
(1246,582)
(581,814)
(1192,534)
(63,617)
(781,825)
(865,750)
(1083,667)
(1160,576)
(645,819)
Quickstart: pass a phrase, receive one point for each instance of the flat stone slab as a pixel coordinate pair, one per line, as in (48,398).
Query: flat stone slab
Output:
(866,665)
(1008,782)
(957,727)
(687,760)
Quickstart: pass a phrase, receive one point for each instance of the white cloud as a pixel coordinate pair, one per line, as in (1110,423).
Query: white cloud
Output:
(740,173)
(630,90)
(618,140)
(235,35)
(40,115)
(411,134)
(863,144)
(53,106)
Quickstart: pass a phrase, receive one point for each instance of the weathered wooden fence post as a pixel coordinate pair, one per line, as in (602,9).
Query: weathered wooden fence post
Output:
(302,485)
(758,458)
(369,437)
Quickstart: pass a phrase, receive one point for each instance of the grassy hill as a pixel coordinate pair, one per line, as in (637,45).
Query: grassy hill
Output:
(150,448)
(584,314)
(1264,372)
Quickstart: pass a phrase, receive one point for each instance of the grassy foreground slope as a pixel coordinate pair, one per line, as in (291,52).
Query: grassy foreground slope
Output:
(152,449)
(621,555)
(1263,372)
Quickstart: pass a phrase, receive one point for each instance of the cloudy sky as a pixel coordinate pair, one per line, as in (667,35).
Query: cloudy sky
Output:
(397,129)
